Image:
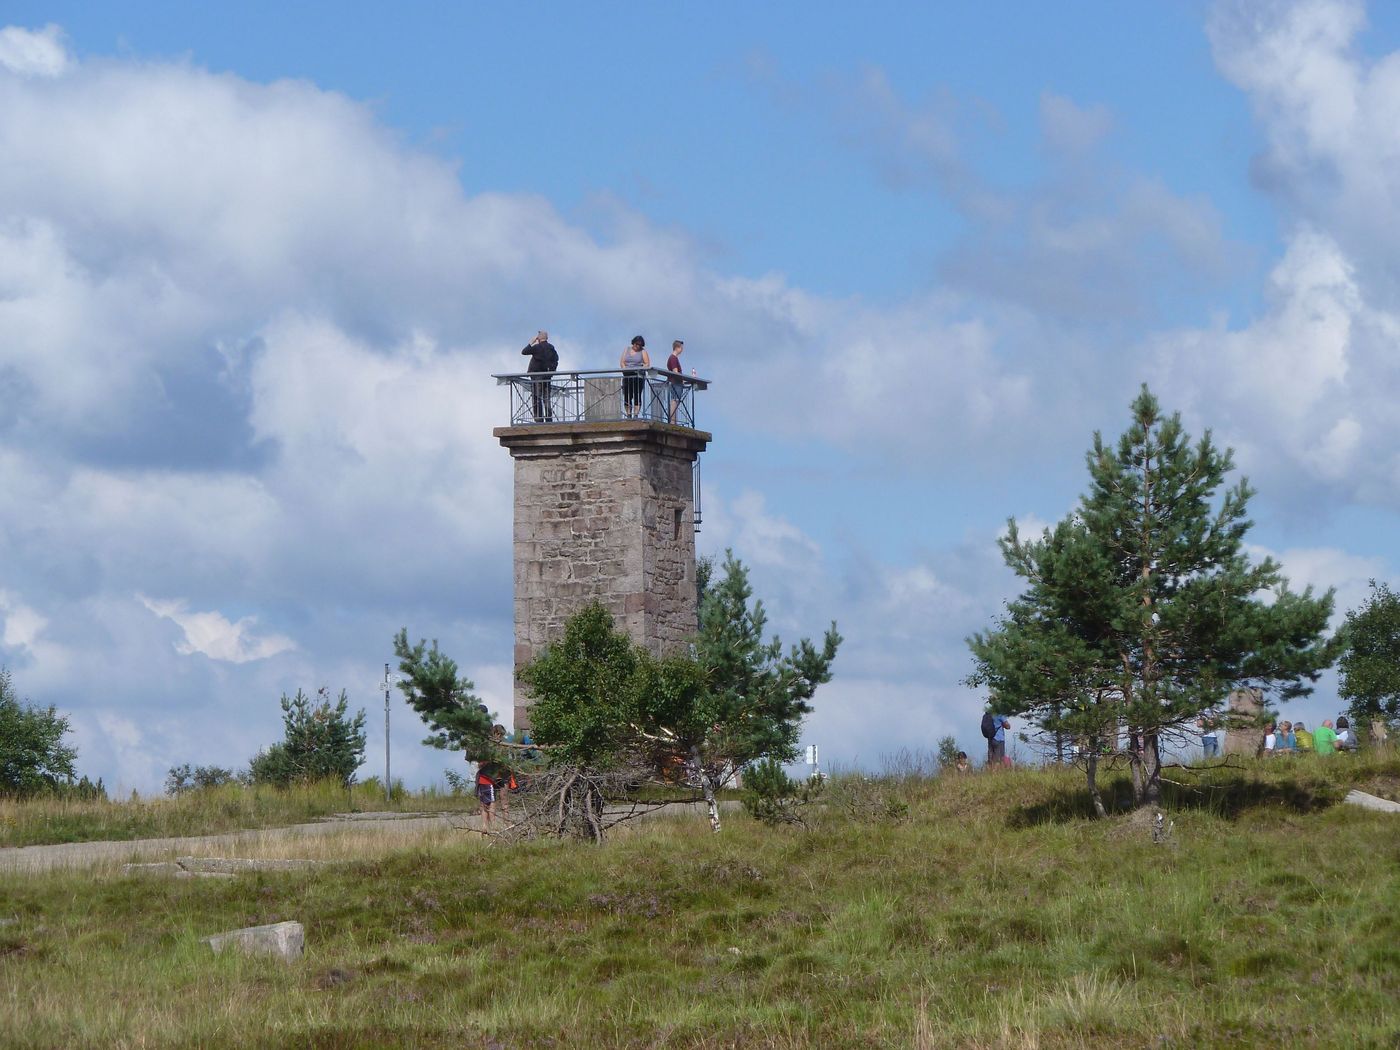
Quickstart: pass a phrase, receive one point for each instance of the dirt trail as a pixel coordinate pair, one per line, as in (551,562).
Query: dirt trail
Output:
(86,854)
(72,855)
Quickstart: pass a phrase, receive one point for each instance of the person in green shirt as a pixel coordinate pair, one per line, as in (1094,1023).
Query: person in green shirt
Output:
(1325,739)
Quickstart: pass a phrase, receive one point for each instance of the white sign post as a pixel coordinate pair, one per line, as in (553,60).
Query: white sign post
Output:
(812,760)
(388,784)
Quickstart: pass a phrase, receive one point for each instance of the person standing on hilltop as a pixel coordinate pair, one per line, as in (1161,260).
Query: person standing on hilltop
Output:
(994,727)
(1210,737)
(486,791)
(543,358)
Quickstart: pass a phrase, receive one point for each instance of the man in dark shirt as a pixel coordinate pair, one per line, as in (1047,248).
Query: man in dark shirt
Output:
(676,386)
(543,358)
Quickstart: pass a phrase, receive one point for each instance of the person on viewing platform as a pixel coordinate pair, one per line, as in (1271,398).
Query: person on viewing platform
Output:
(634,359)
(676,388)
(1325,739)
(543,358)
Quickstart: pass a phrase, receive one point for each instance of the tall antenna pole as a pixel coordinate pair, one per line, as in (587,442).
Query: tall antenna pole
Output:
(388,784)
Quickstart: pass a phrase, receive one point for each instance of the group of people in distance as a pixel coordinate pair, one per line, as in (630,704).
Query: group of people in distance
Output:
(1283,738)
(1289,738)
(634,363)
(997,758)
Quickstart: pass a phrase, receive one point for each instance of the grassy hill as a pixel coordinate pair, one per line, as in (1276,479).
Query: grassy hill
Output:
(993,913)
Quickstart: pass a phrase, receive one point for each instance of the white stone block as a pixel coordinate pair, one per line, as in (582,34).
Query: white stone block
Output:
(286,940)
(1381,805)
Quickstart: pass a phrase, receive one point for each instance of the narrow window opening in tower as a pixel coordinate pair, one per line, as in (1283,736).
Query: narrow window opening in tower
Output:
(677,534)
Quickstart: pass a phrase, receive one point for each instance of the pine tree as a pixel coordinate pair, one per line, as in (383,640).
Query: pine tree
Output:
(585,688)
(755,696)
(1370,663)
(444,700)
(601,700)
(321,741)
(1141,610)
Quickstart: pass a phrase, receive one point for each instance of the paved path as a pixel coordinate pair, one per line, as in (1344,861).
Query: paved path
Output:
(32,859)
(83,854)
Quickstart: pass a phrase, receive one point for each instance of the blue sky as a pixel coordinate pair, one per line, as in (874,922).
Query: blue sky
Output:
(257,261)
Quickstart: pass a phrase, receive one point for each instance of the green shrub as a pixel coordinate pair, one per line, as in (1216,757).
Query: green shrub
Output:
(773,797)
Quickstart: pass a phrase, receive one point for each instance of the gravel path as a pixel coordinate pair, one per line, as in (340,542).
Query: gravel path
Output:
(84,854)
(67,855)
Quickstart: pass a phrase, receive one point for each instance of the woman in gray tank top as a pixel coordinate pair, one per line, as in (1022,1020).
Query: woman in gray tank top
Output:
(634,358)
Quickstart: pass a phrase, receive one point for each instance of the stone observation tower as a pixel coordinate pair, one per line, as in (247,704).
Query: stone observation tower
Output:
(605,506)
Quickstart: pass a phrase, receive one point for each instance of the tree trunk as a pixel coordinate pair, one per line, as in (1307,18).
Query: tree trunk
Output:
(579,811)
(593,808)
(1091,770)
(1135,764)
(711,804)
(707,787)
(561,821)
(1151,793)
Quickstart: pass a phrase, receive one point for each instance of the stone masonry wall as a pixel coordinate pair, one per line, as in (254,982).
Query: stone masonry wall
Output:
(602,512)
(1244,739)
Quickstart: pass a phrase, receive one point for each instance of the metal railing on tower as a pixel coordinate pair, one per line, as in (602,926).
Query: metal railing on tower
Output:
(602,396)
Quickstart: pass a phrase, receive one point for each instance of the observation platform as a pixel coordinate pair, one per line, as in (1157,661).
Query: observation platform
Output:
(602,396)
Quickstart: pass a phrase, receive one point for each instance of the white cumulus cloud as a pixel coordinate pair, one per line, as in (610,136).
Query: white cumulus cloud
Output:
(34,53)
(1330,118)
(21,623)
(213,635)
